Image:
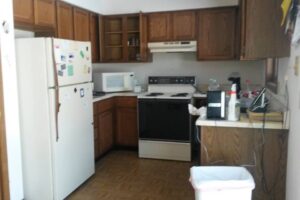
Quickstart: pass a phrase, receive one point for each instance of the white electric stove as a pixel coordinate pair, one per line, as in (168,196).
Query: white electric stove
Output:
(164,120)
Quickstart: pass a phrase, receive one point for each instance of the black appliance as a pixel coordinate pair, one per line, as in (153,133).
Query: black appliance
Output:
(215,105)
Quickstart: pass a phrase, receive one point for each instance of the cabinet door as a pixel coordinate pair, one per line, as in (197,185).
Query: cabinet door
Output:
(23,11)
(262,37)
(159,25)
(65,28)
(94,36)
(217,34)
(81,25)
(105,137)
(127,134)
(143,37)
(44,13)
(184,24)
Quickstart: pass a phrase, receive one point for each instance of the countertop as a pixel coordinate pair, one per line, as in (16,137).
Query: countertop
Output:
(244,122)
(117,94)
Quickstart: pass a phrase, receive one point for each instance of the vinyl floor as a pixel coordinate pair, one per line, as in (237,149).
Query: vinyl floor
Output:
(121,175)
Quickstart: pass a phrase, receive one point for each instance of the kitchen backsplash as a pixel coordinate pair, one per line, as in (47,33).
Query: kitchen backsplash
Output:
(185,64)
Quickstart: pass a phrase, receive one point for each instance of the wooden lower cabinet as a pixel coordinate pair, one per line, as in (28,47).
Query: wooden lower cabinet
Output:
(105,131)
(126,122)
(263,153)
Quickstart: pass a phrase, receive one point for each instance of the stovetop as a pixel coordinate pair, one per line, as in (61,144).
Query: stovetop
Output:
(160,95)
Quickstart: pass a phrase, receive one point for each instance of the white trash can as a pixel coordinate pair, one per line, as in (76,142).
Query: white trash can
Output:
(222,183)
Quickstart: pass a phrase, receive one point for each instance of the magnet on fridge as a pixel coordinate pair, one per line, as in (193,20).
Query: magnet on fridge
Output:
(87,48)
(81,92)
(56,47)
(70,70)
(71,56)
(88,58)
(81,54)
(63,67)
(63,58)
(60,73)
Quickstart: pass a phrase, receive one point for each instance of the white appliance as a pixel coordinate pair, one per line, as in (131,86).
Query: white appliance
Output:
(177,46)
(165,125)
(113,82)
(55,95)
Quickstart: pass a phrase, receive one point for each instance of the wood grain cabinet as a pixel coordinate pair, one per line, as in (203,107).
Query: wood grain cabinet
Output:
(65,24)
(23,11)
(94,37)
(217,30)
(159,27)
(122,38)
(261,36)
(172,26)
(44,13)
(263,153)
(103,126)
(126,122)
(81,24)
(184,25)
(34,14)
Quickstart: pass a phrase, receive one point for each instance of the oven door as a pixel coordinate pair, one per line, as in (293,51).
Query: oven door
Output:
(164,119)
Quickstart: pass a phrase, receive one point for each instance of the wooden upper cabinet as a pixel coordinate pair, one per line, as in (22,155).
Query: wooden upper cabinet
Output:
(261,36)
(159,25)
(184,25)
(81,25)
(44,13)
(217,34)
(23,11)
(65,27)
(94,36)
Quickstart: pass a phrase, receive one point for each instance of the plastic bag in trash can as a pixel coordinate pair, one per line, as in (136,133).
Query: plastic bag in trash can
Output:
(222,183)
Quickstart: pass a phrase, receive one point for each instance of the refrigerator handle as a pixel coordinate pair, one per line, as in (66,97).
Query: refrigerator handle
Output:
(57,104)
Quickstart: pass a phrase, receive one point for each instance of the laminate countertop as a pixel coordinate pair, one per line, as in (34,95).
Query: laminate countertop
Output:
(115,94)
(244,122)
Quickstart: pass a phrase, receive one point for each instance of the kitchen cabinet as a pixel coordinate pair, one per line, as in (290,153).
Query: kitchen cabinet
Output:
(44,13)
(34,14)
(217,34)
(122,38)
(81,24)
(261,36)
(184,25)
(265,156)
(103,126)
(65,24)
(172,26)
(23,11)
(126,121)
(94,37)
(160,28)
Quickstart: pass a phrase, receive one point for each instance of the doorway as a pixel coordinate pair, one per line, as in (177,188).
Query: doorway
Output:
(4,186)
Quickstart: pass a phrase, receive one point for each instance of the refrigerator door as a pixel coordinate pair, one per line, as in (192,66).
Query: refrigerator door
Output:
(73,152)
(72,62)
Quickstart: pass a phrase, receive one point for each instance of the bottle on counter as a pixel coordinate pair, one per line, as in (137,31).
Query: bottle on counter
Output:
(233,105)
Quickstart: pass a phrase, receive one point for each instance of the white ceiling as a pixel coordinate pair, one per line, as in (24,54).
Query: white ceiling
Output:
(134,6)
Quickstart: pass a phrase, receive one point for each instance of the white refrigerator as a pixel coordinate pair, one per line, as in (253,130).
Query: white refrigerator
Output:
(56,111)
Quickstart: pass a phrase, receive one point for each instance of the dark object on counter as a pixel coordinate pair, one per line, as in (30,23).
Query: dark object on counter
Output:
(236,80)
(216,105)
(260,103)
(98,94)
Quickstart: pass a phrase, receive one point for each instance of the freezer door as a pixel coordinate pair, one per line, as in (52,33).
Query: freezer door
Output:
(73,152)
(72,61)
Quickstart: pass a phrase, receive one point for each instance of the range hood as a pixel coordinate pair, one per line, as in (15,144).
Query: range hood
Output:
(176,46)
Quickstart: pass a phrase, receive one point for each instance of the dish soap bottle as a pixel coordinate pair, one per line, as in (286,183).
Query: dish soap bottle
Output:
(233,105)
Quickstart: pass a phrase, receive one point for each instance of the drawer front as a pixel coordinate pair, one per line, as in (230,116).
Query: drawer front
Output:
(104,105)
(128,102)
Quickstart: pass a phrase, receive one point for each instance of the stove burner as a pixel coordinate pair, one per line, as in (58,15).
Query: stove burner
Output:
(179,95)
(154,94)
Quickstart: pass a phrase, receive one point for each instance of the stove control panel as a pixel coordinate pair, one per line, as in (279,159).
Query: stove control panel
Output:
(189,80)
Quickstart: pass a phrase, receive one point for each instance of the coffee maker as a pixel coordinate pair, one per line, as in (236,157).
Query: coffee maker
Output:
(235,78)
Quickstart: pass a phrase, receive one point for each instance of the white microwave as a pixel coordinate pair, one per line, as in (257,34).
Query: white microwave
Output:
(113,82)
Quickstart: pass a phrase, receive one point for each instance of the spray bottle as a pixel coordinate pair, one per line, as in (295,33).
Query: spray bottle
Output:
(233,105)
